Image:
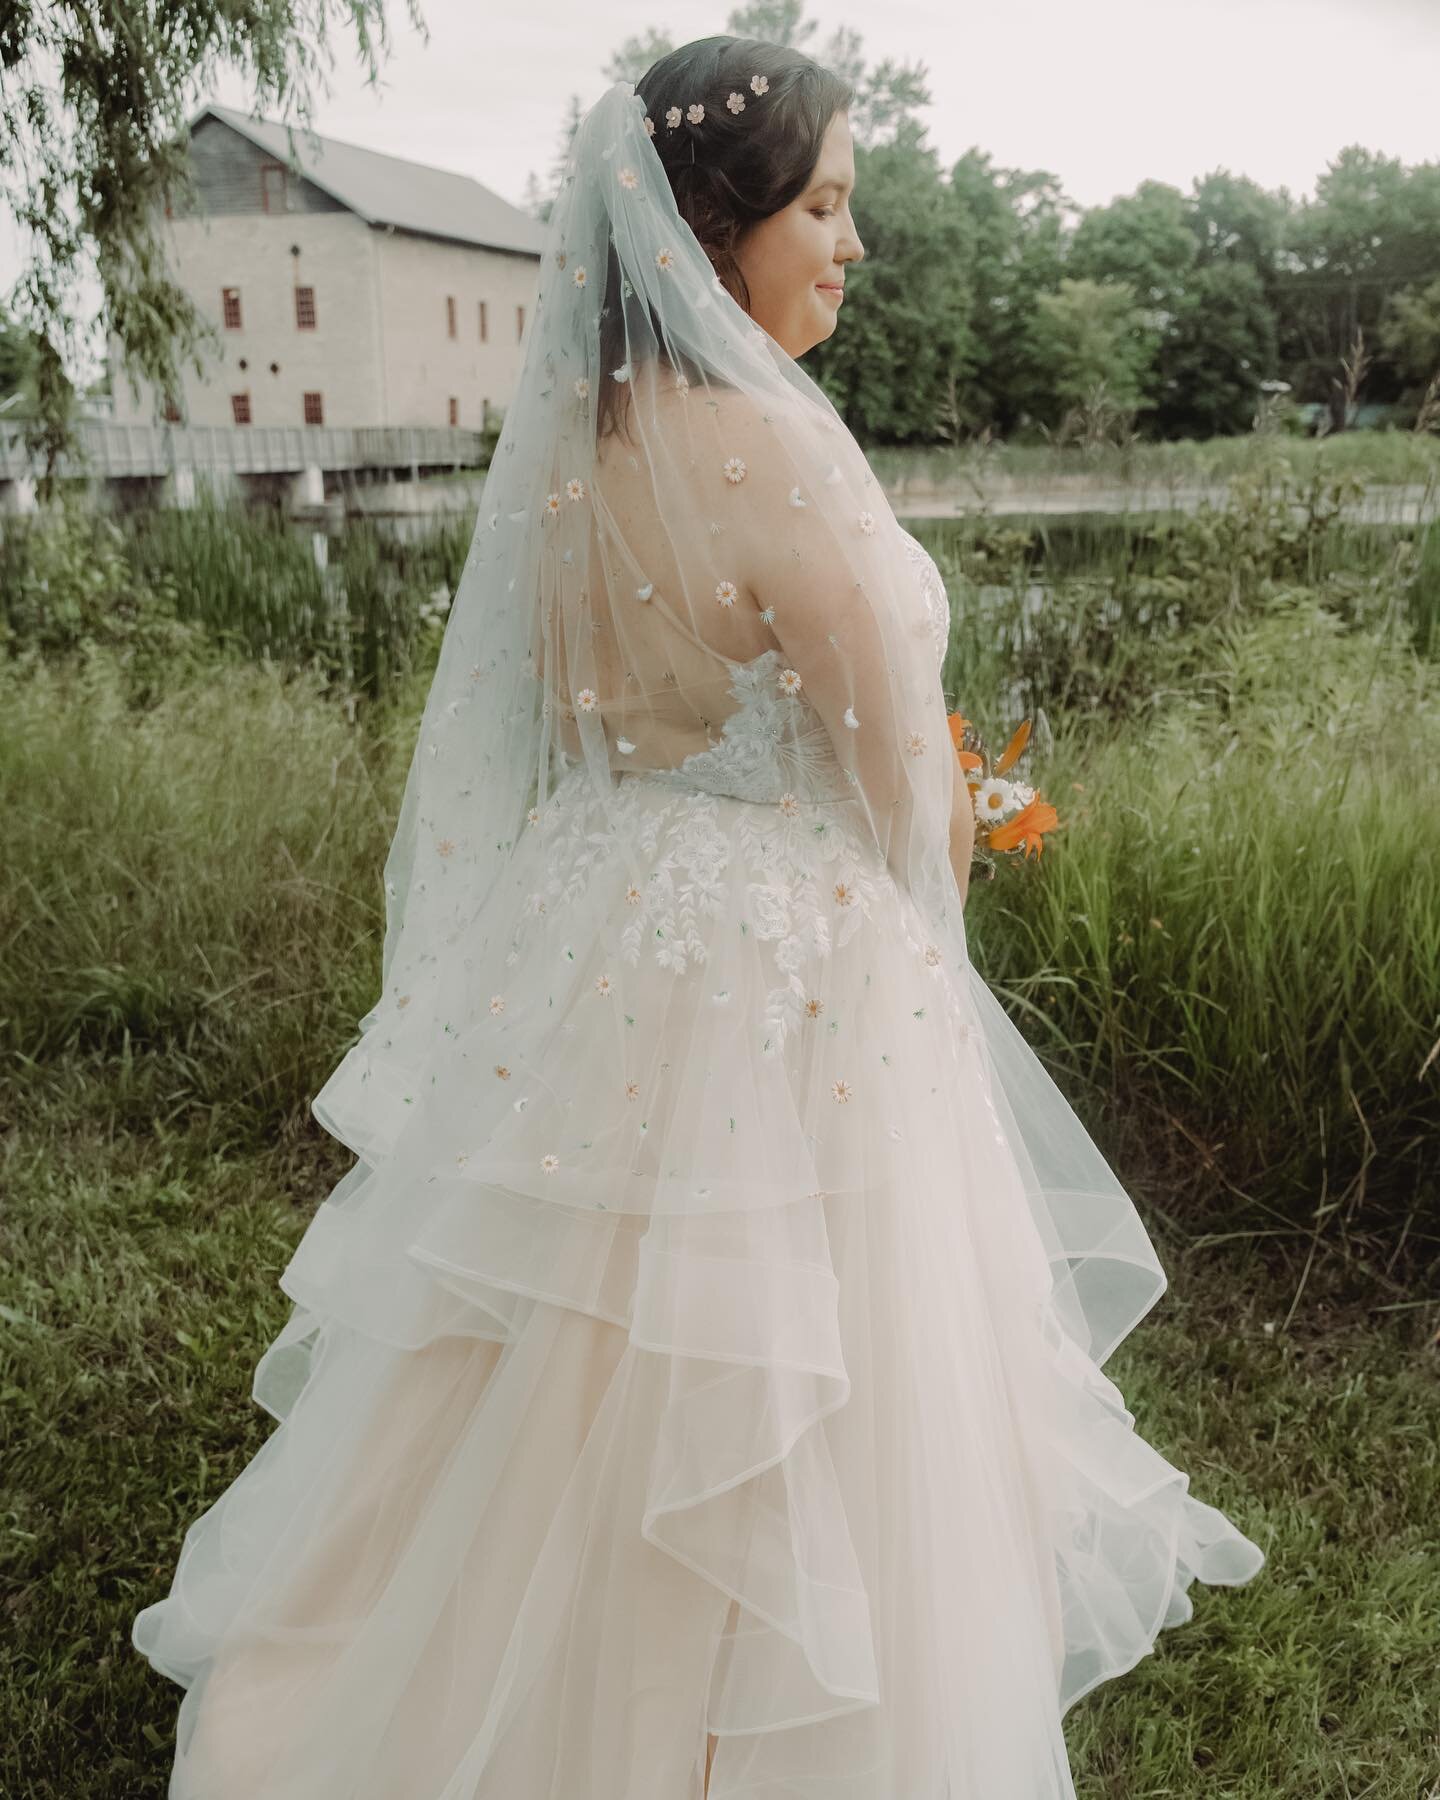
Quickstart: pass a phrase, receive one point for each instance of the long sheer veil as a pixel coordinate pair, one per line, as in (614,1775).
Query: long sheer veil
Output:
(602,581)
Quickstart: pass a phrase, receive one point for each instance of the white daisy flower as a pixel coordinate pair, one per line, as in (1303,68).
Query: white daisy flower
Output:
(734,469)
(575,488)
(727,593)
(497,1003)
(632,895)
(915,743)
(867,523)
(580,276)
(582,387)
(665,259)
(789,805)
(932,954)
(628,178)
(632,1090)
(587,700)
(604,985)
(789,682)
(552,504)
(550,1164)
(841,1090)
(993,799)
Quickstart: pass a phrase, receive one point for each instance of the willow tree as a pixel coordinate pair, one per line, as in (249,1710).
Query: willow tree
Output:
(95,98)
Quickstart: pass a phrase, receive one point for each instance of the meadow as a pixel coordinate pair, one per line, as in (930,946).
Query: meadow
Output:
(1228,956)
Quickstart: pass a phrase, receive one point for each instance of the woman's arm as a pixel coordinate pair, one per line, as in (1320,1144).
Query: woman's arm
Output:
(962,834)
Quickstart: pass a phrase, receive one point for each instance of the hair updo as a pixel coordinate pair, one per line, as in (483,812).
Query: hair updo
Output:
(732,169)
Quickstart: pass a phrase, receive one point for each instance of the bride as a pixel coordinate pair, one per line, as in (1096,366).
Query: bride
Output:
(695,1385)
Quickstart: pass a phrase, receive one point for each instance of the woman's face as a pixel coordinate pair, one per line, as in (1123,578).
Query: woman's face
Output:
(794,261)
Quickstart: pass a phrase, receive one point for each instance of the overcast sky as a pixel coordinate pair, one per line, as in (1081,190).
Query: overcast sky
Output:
(1102,93)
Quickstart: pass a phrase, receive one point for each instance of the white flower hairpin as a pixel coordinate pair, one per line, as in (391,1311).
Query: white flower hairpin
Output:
(695,112)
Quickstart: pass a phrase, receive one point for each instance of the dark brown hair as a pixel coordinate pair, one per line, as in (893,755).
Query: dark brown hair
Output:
(729,172)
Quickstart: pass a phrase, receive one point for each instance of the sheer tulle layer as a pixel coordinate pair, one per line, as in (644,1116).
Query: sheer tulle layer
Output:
(781,1418)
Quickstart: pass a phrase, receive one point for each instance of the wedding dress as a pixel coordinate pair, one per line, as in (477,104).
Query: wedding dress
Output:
(708,1336)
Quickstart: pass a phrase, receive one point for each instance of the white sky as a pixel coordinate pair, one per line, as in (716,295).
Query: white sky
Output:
(1103,93)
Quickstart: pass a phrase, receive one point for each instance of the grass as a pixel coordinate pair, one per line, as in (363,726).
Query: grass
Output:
(1230,959)
(142,1288)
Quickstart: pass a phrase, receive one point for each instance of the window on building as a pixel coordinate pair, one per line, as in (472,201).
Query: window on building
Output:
(240,408)
(519,323)
(450,325)
(230,307)
(274,188)
(454,410)
(305,308)
(314,409)
(484,325)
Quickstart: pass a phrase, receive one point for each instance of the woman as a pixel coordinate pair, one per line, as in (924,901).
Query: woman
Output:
(694,1388)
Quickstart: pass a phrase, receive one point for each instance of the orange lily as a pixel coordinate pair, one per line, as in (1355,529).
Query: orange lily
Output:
(1028,827)
(1013,749)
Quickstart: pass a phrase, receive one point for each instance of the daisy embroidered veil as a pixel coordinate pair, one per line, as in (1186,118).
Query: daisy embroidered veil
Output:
(715,1239)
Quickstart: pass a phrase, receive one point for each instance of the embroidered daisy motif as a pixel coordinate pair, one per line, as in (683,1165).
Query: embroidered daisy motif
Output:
(841,1090)
(932,954)
(759,84)
(844,894)
(915,743)
(445,847)
(462,1159)
(497,1003)
(552,504)
(768,615)
(734,469)
(559,259)
(736,102)
(649,126)
(587,700)
(789,805)
(789,682)
(814,1008)
(550,1164)
(575,488)
(580,276)
(672,116)
(727,593)
(665,259)
(633,896)
(502,1071)
(533,816)
(695,112)
(867,523)
(632,1090)
(629,179)
(404,1000)
(604,985)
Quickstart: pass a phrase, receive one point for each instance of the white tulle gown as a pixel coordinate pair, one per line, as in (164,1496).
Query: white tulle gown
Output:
(814,1453)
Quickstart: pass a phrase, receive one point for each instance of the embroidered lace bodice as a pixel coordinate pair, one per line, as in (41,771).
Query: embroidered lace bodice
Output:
(775,743)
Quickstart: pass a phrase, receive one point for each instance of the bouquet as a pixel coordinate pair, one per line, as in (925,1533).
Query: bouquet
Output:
(1010,815)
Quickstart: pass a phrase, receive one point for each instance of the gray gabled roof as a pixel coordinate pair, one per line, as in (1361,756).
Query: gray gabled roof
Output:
(388,190)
